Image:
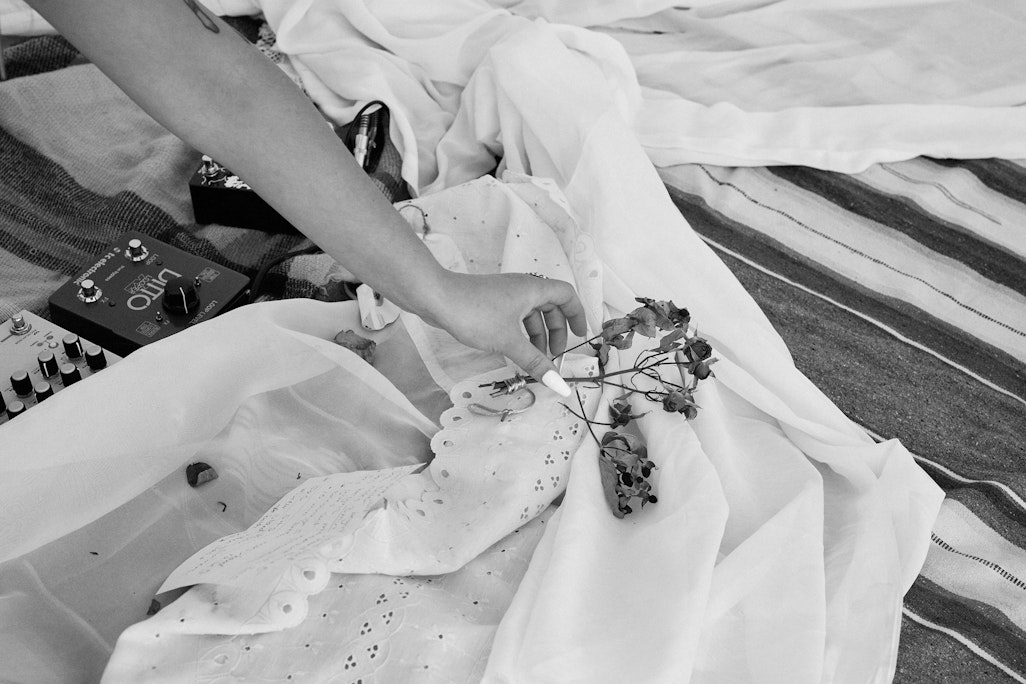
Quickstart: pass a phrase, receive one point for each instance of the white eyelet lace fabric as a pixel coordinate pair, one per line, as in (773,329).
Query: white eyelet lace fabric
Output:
(360,629)
(488,477)
(418,589)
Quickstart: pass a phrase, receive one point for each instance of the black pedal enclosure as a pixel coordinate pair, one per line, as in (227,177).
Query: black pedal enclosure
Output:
(228,206)
(130,310)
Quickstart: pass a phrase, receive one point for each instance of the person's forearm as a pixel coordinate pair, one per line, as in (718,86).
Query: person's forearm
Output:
(206,84)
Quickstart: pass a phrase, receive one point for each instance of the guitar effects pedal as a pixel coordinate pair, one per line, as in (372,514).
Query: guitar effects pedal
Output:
(141,290)
(39,358)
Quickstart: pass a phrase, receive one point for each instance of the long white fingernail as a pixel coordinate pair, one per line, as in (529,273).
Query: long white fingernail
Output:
(554,382)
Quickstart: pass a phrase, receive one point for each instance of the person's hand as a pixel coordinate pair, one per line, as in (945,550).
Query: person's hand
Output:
(521,316)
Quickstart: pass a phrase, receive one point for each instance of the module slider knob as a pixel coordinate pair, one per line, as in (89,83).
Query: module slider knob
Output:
(15,408)
(88,292)
(95,358)
(73,346)
(136,250)
(22,383)
(70,374)
(180,296)
(48,364)
(43,390)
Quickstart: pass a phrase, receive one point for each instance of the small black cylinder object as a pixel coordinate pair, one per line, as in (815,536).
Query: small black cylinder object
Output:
(180,296)
(22,383)
(198,473)
(72,346)
(70,374)
(95,357)
(43,390)
(3,404)
(48,364)
(15,408)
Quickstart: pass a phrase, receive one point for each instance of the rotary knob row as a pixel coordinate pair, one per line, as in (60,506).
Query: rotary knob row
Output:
(88,292)
(180,295)
(93,354)
(24,387)
(69,373)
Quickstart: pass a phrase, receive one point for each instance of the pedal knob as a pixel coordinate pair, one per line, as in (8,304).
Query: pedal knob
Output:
(43,390)
(180,296)
(48,364)
(70,374)
(95,358)
(72,346)
(22,383)
(136,250)
(15,408)
(88,292)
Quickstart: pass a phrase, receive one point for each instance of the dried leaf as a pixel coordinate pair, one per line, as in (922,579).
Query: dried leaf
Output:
(356,343)
(646,320)
(623,341)
(617,326)
(610,481)
(667,342)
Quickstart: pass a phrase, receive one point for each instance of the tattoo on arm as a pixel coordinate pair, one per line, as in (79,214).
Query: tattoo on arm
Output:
(201,14)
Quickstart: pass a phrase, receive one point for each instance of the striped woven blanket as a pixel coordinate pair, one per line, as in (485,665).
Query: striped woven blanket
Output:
(901,292)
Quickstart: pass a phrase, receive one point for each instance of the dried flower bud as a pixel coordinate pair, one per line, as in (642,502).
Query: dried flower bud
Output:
(701,370)
(698,349)
(674,401)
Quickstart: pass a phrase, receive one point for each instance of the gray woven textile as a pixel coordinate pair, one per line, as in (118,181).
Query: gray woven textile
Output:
(80,165)
(801,241)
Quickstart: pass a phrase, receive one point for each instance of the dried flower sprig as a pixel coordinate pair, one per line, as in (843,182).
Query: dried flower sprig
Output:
(692,355)
(624,467)
(623,457)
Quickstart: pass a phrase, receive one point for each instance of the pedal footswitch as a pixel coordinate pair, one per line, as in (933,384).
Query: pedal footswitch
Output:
(141,290)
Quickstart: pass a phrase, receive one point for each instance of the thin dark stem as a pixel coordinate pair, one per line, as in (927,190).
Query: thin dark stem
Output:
(587,422)
(576,346)
(586,419)
(634,369)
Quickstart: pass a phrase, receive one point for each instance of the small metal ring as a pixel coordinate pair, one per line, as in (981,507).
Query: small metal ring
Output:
(503,413)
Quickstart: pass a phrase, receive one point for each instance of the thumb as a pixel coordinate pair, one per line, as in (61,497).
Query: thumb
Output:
(539,367)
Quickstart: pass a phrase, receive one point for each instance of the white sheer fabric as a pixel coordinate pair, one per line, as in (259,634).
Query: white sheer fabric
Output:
(834,85)
(779,550)
(784,538)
